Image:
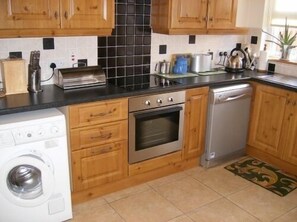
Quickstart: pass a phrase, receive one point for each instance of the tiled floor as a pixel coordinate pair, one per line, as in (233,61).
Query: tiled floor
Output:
(195,195)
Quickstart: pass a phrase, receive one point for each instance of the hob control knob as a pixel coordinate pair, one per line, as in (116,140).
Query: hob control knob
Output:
(159,101)
(170,99)
(148,103)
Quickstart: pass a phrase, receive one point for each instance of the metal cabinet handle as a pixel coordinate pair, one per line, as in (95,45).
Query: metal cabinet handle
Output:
(102,136)
(101,151)
(103,114)
(211,19)
(56,15)
(66,15)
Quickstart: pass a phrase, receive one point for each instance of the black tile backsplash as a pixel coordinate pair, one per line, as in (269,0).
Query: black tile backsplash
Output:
(125,55)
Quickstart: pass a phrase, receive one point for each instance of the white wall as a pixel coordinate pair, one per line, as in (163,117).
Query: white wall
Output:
(65,47)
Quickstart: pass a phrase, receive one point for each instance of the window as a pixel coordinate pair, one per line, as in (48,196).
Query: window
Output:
(278,11)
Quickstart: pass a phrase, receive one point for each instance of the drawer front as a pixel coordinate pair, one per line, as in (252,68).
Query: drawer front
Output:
(98,112)
(97,135)
(98,165)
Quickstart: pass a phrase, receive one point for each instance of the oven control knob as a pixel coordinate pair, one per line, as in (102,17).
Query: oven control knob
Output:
(148,103)
(170,99)
(159,101)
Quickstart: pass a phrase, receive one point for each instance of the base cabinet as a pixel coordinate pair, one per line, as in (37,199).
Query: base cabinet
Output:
(98,141)
(98,165)
(195,121)
(273,127)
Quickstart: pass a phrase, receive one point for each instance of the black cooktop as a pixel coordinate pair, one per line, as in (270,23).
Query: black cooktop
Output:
(146,82)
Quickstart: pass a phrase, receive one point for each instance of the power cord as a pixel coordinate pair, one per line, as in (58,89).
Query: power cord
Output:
(52,66)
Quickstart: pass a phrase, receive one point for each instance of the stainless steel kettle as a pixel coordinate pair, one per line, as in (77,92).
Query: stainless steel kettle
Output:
(163,67)
(235,62)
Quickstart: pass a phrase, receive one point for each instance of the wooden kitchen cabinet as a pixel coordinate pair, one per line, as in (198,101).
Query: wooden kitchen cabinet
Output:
(273,127)
(56,18)
(194,16)
(195,122)
(289,133)
(98,141)
(98,165)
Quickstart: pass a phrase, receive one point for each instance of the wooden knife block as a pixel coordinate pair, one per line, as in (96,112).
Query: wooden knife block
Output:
(14,76)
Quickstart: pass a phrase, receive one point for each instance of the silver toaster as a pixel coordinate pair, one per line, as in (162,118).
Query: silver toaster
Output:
(72,78)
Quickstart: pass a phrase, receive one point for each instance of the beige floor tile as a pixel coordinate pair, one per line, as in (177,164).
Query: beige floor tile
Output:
(97,214)
(221,180)
(183,218)
(194,170)
(147,206)
(187,193)
(264,204)
(289,217)
(221,211)
(126,192)
(166,179)
(91,204)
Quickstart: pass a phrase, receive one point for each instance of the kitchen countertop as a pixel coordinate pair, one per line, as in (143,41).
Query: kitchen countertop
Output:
(53,96)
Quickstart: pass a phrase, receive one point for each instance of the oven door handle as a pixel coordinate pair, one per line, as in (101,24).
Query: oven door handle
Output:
(158,112)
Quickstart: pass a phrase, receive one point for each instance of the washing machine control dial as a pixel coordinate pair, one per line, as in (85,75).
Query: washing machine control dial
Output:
(55,130)
(37,132)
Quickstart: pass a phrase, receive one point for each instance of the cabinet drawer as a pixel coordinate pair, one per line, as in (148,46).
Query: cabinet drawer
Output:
(97,135)
(98,165)
(98,112)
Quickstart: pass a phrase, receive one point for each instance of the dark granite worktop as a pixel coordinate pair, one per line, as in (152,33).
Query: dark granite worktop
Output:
(52,96)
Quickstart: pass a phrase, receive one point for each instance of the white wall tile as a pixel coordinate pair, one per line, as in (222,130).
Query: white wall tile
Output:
(178,44)
(81,47)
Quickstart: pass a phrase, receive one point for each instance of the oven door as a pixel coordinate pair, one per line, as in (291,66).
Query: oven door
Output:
(155,132)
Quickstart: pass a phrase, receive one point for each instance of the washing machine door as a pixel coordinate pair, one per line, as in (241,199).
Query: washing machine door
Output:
(27,180)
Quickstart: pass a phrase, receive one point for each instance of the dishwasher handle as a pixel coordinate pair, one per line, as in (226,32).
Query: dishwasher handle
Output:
(230,98)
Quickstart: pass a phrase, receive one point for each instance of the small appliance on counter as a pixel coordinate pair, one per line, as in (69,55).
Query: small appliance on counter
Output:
(236,63)
(163,67)
(34,73)
(201,63)
(14,77)
(72,78)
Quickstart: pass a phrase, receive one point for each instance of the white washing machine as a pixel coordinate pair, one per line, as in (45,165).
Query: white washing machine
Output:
(34,170)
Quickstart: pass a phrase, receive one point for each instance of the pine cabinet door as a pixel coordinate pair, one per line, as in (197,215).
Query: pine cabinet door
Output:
(222,14)
(195,121)
(289,135)
(189,14)
(99,165)
(267,120)
(82,14)
(29,14)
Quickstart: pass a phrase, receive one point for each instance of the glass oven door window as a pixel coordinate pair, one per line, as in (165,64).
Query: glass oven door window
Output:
(155,128)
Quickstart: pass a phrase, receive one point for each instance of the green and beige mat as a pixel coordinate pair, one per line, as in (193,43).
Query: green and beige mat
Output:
(264,175)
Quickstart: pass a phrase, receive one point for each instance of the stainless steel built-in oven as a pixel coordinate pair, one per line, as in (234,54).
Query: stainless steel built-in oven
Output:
(155,125)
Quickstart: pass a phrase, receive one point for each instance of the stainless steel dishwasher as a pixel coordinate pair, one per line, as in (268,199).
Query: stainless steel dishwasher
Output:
(227,123)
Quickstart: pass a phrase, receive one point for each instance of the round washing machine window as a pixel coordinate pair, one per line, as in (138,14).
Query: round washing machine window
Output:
(27,180)
(24,181)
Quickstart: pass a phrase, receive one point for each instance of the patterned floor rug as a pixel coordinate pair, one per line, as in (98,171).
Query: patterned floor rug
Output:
(264,175)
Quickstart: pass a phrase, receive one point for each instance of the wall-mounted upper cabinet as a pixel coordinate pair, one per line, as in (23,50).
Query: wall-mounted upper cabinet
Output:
(194,16)
(19,18)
